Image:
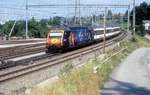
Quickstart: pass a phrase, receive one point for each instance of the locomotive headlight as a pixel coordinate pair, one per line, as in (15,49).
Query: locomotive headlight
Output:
(65,40)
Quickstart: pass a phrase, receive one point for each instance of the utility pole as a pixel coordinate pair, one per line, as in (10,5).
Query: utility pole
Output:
(104,43)
(122,18)
(27,19)
(92,19)
(12,29)
(128,18)
(133,17)
(79,13)
(75,18)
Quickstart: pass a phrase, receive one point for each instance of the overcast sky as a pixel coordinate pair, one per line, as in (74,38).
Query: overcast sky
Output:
(8,8)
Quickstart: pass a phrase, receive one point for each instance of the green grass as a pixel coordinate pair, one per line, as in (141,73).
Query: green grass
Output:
(83,81)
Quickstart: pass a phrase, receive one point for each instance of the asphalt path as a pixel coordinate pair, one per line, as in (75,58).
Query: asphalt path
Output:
(131,77)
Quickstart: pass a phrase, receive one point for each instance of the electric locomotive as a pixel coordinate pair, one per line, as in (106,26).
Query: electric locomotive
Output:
(71,37)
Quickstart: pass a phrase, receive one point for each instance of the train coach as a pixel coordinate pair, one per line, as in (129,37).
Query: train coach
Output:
(72,37)
(110,32)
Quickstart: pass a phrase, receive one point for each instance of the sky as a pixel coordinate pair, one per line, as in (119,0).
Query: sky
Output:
(15,9)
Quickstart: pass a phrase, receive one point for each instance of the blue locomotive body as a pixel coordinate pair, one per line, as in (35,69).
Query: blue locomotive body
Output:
(70,37)
(83,35)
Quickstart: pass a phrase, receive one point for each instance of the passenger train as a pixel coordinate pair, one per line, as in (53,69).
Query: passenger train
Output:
(60,39)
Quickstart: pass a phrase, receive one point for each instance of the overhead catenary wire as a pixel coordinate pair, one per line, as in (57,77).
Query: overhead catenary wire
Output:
(40,10)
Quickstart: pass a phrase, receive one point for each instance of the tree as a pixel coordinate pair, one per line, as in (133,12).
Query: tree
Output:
(142,13)
(37,29)
(125,16)
(19,29)
(56,20)
(44,22)
(109,14)
(7,27)
(1,31)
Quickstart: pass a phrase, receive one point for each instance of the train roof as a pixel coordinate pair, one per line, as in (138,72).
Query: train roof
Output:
(96,29)
(69,27)
(108,28)
(116,27)
(80,27)
(58,28)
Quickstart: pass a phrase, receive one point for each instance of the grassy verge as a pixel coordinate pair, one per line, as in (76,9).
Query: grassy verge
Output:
(83,81)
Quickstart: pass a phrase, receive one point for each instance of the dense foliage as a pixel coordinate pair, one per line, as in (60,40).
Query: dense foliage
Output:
(142,13)
(37,29)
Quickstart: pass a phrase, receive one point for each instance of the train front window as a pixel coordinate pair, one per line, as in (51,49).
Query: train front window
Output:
(55,35)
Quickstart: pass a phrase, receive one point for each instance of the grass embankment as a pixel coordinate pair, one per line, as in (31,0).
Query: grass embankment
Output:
(83,81)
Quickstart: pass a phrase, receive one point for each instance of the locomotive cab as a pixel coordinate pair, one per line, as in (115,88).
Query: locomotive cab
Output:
(54,40)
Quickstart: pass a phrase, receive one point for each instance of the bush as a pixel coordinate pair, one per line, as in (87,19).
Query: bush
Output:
(140,30)
(66,69)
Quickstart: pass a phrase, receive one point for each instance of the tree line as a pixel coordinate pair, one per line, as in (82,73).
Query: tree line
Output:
(142,13)
(39,28)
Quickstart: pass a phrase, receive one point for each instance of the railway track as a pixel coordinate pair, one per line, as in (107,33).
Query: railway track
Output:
(56,59)
(23,52)
(3,42)
(16,51)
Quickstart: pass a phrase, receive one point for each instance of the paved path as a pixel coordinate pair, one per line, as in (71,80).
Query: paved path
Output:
(147,36)
(132,77)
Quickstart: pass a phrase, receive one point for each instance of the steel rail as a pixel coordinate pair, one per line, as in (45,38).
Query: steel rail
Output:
(23,52)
